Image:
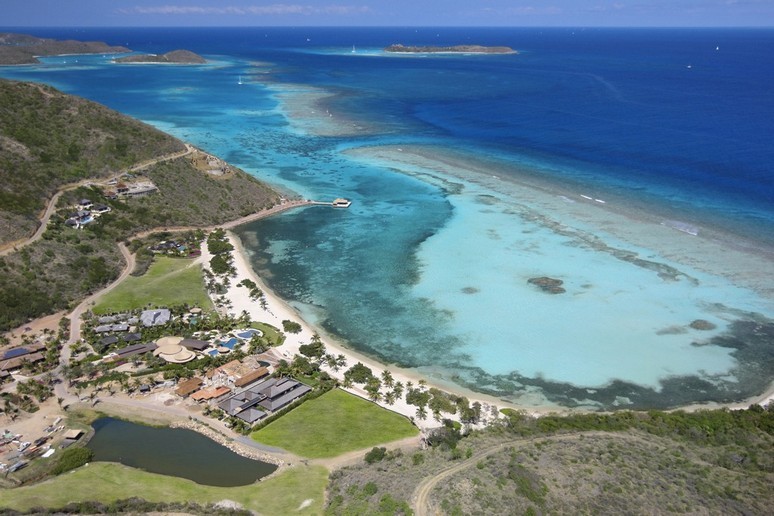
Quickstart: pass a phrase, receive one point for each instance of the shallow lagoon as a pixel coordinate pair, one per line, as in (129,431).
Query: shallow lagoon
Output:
(177,452)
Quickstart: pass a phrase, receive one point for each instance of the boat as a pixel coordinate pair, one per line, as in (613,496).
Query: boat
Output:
(353,49)
(240,80)
(341,203)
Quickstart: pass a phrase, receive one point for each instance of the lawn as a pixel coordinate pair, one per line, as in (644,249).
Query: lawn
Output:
(168,282)
(337,422)
(107,481)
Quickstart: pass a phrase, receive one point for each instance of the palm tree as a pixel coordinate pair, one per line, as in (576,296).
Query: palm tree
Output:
(387,378)
(341,361)
(398,389)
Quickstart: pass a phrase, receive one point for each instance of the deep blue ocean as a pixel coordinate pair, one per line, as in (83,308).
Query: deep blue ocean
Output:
(677,121)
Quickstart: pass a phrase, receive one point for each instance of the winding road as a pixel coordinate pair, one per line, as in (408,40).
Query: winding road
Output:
(11,247)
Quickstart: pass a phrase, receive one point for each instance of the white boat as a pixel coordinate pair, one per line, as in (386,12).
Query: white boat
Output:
(240,80)
(353,49)
(341,203)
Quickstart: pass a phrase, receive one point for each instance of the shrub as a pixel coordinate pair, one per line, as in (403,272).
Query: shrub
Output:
(375,455)
(72,458)
(291,326)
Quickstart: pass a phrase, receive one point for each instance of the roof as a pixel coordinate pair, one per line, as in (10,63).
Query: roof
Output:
(274,404)
(155,317)
(194,344)
(251,415)
(15,352)
(135,349)
(14,363)
(73,434)
(111,339)
(188,386)
(251,377)
(131,337)
(208,394)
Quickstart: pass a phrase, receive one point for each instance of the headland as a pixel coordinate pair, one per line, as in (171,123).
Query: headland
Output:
(17,49)
(173,57)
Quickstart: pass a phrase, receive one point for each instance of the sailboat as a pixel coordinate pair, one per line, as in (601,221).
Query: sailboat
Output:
(240,80)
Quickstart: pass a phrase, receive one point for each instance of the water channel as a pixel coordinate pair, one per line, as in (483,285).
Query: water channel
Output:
(175,452)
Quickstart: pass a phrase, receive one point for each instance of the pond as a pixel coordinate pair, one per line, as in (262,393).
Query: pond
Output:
(176,452)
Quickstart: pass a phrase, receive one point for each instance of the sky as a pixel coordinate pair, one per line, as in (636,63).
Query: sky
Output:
(575,13)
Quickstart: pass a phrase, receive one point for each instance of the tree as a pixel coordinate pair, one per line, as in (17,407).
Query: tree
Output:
(372,388)
(375,455)
(387,378)
(291,326)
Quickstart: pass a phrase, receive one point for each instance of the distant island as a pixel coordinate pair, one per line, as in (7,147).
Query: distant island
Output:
(174,57)
(16,49)
(457,49)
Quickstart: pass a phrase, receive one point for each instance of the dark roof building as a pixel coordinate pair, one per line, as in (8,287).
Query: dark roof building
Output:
(107,341)
(134,349)
(271,395)
(195,345)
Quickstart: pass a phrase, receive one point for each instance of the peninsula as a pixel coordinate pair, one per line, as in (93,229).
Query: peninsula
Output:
(16,49)
(457,49)
(174,57)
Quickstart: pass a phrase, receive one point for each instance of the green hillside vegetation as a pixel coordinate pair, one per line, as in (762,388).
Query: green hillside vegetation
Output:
(48,139)
(22,48)
(67,264)
(334,423)
(168,282)
(105,482)
(709,462)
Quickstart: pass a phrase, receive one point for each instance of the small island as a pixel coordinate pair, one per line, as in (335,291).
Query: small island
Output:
(457,49)
(174,57)
(16,49)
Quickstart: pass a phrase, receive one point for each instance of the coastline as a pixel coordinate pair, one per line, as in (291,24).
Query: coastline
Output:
(279,310)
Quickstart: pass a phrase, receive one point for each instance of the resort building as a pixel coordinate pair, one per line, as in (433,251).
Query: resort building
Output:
(195,345)
(133,350)
(170,350)
(256,402)
(188,387)
(210,394)
(156,317)
(252,377)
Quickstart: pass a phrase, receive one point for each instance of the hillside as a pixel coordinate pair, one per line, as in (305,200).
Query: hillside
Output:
(706,462)
(18,49)
(48,139)
(174,57)
(67,264)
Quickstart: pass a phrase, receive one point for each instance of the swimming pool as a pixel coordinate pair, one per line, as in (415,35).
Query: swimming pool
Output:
(230,343)
(249,334)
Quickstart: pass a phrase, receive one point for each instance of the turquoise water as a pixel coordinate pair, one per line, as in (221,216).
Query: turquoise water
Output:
(429,266)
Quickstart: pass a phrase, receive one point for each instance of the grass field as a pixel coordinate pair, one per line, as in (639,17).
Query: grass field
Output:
(334,423)
(106,482)
(168,282)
